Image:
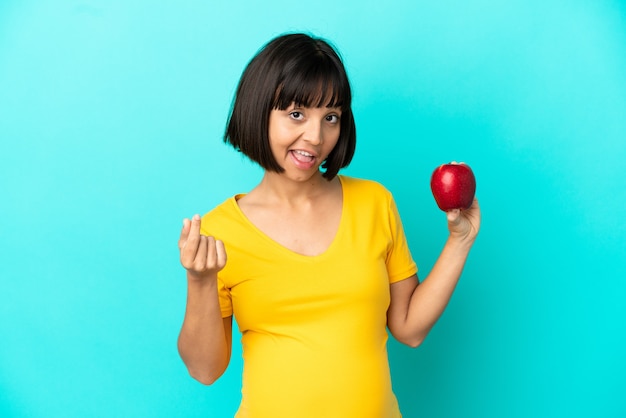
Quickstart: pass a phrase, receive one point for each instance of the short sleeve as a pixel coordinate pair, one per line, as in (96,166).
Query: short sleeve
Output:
(400,263)
(226,302)
(223,292)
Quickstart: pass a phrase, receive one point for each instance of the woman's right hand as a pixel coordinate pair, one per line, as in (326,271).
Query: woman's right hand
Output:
(201,256)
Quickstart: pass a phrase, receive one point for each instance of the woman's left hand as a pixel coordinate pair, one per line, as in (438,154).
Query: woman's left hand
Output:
(464,224)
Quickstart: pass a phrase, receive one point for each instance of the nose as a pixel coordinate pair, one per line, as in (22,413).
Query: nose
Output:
(313,132)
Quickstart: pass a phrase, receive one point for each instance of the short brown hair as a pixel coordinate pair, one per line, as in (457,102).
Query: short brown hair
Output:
(292,68)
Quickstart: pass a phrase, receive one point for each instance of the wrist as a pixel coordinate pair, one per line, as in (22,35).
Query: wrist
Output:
(201,279)
(460,243)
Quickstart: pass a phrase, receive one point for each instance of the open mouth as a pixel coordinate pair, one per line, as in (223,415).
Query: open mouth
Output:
(303,156)
(302,159)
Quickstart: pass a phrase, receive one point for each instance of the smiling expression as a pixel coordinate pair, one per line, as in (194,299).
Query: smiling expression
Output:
(301,138)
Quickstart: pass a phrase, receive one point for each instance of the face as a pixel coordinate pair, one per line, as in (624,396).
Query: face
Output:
(301,138)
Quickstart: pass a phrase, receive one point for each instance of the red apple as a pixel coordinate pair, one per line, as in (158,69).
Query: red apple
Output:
(453,186)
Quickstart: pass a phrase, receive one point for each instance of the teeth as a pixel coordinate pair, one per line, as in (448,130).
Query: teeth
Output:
(306,154)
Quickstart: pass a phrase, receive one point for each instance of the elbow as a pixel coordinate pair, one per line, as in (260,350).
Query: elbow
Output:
(413,342)
(204,368)
(206,373)
(205,378)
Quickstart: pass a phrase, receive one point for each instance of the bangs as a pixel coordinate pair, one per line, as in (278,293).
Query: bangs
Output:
(317,84)
(291,69)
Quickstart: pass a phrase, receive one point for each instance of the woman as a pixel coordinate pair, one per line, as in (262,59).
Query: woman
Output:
(318,264)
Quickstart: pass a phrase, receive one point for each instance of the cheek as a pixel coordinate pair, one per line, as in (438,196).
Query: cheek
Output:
(329,146)
(332,137)
(276,136)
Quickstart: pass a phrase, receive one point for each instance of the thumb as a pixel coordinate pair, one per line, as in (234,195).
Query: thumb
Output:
(454,217)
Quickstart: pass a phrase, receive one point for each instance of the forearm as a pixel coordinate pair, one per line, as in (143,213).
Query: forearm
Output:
(430,298)
(204,343)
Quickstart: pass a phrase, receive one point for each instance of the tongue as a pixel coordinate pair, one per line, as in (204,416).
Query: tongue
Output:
(302,158)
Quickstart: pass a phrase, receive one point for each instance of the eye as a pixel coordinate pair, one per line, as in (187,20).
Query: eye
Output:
(332,118)
(296,115)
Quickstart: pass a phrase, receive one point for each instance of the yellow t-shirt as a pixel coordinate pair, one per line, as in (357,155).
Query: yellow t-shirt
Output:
(313,328)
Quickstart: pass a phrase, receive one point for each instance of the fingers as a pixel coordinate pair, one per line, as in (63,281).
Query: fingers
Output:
(464,223)
(184,233)
(473,213)
(216,254)
(190,231)
(199,261)
(189,241)
(211,256)
(221,254)
(200,253)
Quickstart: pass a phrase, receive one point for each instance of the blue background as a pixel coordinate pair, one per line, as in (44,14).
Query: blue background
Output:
(111,117)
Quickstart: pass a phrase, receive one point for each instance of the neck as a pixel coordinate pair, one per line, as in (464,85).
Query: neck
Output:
(280,187)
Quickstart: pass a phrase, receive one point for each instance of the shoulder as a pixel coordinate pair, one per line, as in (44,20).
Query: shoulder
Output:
(365,188)
(220,216)
(227,206)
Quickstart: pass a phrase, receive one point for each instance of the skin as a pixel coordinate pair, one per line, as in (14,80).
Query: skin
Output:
(298,203)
